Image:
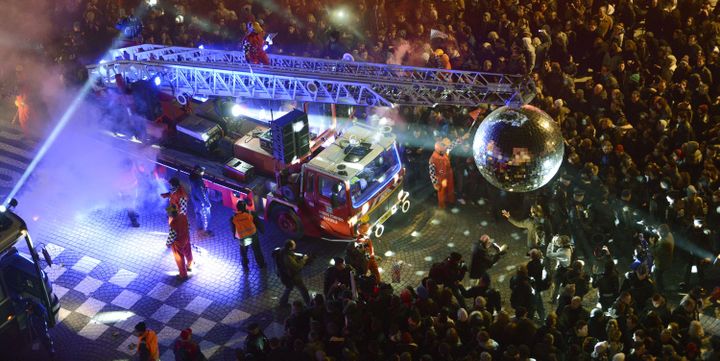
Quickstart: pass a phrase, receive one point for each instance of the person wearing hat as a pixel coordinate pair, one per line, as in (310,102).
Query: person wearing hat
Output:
(185,349)
(245,226)
(338,277)
(179,241)
(256,343)
(147,347)
(201,200)
(441,174)
(537,227)
(178,196)
(690,206)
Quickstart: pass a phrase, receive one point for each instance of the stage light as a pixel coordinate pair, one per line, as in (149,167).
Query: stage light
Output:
(3,209)
(236,110)
(201,47)
(179,19)
(157,81)
(298,127)
(151,2)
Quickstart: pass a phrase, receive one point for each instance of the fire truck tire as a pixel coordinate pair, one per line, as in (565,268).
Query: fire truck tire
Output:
(379,230)
(405,207)
(287,221)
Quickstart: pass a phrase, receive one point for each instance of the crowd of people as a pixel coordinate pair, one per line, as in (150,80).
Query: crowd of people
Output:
(635,87)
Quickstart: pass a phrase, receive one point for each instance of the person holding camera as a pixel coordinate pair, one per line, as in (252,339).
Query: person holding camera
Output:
(450,273)
(485,253)
(289,265)
(337,279)
(560,251)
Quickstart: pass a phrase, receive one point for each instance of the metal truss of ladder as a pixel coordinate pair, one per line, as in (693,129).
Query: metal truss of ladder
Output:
(206,73)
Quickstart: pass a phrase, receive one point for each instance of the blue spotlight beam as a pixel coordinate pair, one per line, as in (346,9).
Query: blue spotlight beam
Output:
(69,112)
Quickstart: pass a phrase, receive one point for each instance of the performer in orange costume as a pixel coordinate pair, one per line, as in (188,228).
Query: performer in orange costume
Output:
(23,112)
(441,174)
(253,44)
(179,241)
(364,243)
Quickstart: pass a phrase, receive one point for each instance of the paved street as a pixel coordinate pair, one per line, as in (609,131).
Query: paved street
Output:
(110,276)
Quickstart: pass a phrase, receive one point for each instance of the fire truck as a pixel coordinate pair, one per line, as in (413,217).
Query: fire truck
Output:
(319,183)
(309,178)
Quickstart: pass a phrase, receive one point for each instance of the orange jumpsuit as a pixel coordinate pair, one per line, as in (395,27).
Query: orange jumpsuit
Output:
(370,253)
(23,112)
(441,175)
(179,239)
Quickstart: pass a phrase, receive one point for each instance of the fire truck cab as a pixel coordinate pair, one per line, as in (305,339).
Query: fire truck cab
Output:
(357,178)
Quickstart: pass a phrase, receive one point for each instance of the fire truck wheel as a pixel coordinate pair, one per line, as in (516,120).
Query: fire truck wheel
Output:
(287,221)
(405,206)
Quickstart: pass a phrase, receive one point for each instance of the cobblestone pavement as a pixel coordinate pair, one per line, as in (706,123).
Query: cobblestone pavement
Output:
(110,276)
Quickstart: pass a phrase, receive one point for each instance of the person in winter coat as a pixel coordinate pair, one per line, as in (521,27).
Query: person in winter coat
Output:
(337,277)
(539,280)
(640,286)
(481,259)
(185,349)
(290,264)
(608,285)
(537,226)
(201,200)
(521,291)
(245,226)
(179,241)
(662,251)
(560,250)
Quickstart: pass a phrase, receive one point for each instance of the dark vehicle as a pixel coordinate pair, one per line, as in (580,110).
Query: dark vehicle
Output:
(22,283)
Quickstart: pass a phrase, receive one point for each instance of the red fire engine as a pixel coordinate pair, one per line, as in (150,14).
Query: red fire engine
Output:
(313,182)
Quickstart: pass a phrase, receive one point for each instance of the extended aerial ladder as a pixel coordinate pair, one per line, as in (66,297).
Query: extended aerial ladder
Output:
(197,72)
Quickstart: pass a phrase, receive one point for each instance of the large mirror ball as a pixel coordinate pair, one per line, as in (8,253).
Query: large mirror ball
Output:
(518,149)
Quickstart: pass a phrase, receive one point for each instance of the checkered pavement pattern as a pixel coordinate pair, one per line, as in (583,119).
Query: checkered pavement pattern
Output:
(102,303)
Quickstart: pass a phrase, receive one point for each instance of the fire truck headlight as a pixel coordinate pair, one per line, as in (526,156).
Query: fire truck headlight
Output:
(403,195)
(365,208)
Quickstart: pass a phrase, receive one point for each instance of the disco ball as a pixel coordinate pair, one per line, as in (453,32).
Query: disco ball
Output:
(518,149)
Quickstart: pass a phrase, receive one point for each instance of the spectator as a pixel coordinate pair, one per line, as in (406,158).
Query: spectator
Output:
(185,349)
(147,347)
